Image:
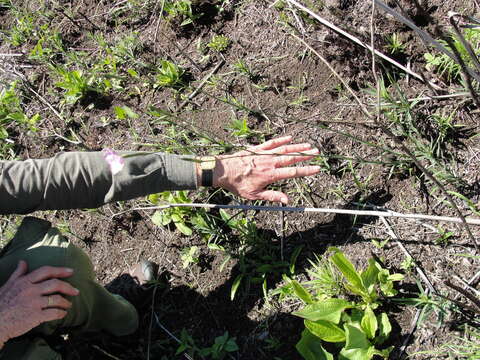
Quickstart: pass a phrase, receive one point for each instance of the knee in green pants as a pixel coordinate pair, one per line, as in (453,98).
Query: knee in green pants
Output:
(94,309)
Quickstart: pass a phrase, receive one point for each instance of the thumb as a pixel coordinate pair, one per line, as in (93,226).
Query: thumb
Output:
(20,270)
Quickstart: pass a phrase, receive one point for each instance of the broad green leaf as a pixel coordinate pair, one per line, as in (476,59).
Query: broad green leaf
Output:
(369,275)
(348,270)
(325,330)
(159,218)
(329,309)
(184,229)
(176,218)
(301,292)
(396,277)
(369,323)
(293,258)
(355,354)
(236,284)
(355,338)
(310,347)
(385,353)
(384,328)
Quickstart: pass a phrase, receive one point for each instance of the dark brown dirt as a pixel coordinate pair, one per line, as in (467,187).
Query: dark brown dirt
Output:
(291,92)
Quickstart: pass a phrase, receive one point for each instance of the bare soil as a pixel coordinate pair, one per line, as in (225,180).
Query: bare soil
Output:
(293,93)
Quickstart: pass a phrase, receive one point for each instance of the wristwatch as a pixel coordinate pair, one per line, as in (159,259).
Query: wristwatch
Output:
(207,164)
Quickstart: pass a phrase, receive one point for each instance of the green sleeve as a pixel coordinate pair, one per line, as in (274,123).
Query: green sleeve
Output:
(84,180)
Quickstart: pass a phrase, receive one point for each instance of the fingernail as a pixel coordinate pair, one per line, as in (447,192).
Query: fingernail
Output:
(69,270)
(76,291)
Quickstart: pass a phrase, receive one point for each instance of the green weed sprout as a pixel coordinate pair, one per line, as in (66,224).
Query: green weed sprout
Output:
(188,256)
(170,75)
(394,44)
(353,326)
(219,43)
(76,84)
(180,10)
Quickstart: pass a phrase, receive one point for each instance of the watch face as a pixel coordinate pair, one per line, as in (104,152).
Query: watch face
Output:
(208,162)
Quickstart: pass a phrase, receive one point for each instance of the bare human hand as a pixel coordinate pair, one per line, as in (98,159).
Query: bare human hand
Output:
(27,300)
(247,173)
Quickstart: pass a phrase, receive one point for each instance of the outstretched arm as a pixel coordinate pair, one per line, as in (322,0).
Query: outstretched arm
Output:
(86,180)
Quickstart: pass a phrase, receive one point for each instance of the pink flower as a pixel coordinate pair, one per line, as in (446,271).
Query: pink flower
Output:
(114,160)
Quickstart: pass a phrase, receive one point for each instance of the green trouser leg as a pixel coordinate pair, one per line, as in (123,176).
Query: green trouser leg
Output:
(94,309)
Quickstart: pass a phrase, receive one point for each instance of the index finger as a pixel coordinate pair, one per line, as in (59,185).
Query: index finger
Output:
(49,272)
(272,144)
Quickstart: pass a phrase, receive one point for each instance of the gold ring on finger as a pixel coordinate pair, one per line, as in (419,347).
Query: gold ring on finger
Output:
(49,301)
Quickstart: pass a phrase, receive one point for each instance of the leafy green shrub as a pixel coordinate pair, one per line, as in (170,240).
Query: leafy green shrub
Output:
(352,326)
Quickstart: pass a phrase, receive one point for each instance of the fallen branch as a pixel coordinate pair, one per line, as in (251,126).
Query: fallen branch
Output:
(387,213)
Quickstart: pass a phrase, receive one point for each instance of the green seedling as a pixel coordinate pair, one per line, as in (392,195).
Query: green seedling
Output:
(188,256)
(219,43)
(352,326)
(394,44)
(428,303)
(380,244)
(76,85)
(408,264)
(169,75)
(223,345)
(181,11)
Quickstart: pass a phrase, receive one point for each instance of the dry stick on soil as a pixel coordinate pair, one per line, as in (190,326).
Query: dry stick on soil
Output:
(357,41)
(386,214)
(420,272)
(200,87)
(105,353)
(399,142)
(466,294)
(169,334)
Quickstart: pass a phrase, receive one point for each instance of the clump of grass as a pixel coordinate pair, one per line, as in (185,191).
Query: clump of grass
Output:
(445,65)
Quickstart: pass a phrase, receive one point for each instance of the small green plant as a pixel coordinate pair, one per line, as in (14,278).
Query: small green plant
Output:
(77,85)
(407,264)
(444,236)
(394,44)
(188,256)
(169,75)
(12,115)
(352,326)
(23,30)
(219,43)
(180,11)
(181,217)
(240,128)
(445,65)
(241,67)
(223,345)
